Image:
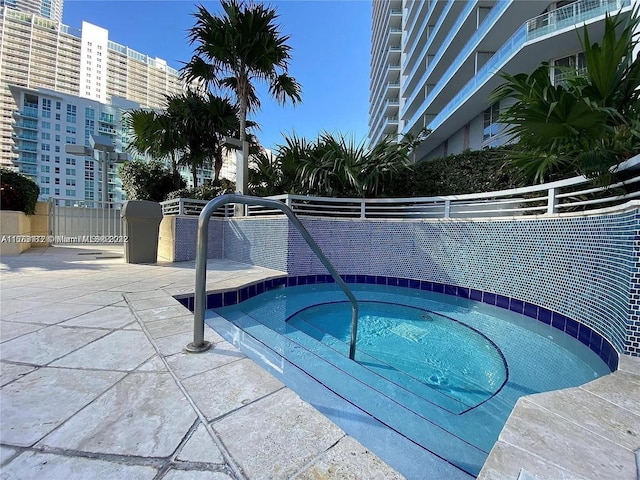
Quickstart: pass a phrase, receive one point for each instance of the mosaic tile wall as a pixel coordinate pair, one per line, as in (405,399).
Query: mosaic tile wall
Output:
(258,241)
(186,234)
(587,268)
(580,267)
(632,344)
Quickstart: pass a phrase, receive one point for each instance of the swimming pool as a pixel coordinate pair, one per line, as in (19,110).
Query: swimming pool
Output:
(440,373)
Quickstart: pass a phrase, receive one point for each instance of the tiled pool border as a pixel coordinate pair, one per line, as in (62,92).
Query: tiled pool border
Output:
(583,333)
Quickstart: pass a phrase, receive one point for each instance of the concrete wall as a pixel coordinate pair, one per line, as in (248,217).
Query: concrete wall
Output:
(16,228)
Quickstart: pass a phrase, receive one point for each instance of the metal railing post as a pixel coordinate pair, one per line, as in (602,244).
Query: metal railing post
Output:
(552,202)
(447,208)
(199,344)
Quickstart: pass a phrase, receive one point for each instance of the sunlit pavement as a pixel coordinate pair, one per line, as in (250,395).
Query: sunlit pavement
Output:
(95,383)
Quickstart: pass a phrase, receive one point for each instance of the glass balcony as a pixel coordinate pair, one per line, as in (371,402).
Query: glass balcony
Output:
(25,147)
(26,136)
(26,158)
(28,112)
(29,170)
(27,125)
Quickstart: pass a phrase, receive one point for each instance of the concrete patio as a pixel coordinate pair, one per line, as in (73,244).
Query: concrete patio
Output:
(95,384)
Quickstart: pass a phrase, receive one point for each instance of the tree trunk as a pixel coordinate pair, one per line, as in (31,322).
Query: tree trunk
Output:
(174,170)
(194,172)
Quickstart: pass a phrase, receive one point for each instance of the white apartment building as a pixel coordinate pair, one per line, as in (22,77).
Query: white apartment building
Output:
(45,122)
(51,9)
(36,52)
(434,62)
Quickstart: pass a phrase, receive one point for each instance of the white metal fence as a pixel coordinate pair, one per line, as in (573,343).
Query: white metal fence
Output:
(573,194)
(73,221)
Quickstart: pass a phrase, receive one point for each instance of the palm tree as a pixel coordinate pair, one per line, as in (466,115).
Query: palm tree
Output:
(586,125)
(237,48)
(337,165)
(201,122)
(153,133)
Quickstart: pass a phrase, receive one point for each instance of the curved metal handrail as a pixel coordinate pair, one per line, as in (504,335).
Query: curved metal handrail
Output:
(199,344)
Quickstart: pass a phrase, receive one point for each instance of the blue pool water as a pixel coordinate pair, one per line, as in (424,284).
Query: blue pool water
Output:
(437,374)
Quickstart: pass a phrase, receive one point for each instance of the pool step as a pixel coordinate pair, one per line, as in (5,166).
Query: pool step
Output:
(412,416)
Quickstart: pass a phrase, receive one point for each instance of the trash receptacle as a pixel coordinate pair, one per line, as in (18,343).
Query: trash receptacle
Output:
(141,219)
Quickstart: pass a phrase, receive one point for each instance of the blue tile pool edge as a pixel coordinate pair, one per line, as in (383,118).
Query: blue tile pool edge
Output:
(583,333)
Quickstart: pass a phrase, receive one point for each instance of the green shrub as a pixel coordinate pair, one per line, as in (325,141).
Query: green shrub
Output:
(468,172)
(147,180)
(206,191)
(19,192)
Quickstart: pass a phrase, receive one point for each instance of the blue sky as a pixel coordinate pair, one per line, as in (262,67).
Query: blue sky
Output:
(330,58)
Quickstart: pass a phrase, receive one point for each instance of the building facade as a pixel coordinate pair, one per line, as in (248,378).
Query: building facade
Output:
(39,53)
(435,62)
(50,9)
(46,121)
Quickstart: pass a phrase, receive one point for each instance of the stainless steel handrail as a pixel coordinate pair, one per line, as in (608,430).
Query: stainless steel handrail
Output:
(199,344)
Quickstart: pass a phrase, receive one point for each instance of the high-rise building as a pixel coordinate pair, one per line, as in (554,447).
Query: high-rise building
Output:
(47,121)
(39,53)
(50,9)
(434,62)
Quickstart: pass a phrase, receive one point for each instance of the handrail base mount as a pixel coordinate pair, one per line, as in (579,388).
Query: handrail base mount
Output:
(191,348)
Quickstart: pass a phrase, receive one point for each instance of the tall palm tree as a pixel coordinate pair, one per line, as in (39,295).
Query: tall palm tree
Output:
(235,49)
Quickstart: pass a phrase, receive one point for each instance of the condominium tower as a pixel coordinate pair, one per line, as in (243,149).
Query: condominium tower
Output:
(434,62)
(51,9)
(39,53)
(47,121)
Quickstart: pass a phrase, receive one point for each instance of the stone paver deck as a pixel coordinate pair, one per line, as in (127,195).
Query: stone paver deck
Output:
(94,383)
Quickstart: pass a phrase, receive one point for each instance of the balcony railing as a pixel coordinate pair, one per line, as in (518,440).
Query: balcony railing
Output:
(29,112)
(512,46)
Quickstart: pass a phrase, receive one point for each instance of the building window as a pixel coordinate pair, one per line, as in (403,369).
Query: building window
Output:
(57,181)
(566,67)
(491,127)
(57,148)
(44,168)
(70,182)
(45,136)
(45,158)
(57,138)
(57,191)
(71,171)
(44,180)
(58,105)
(71,114)
(46,105)
(45,191)
(46,125)
(46,147)
(70,161)
(70,193)
(71,140)
(57,170)
(57,127)
(71,130)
